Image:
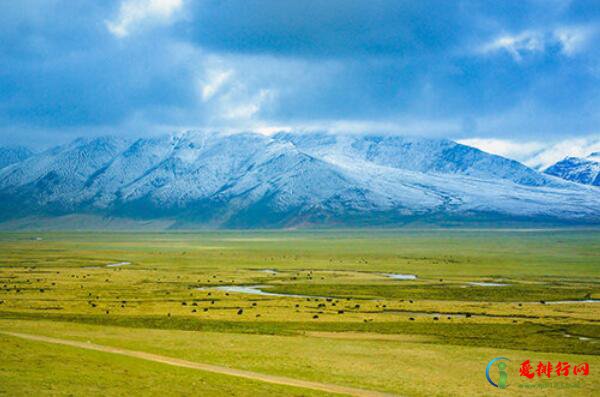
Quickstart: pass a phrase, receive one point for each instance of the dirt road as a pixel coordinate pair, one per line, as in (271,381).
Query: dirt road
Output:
(280,380)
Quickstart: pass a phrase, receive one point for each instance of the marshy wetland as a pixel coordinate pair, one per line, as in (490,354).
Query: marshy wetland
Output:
(381,312)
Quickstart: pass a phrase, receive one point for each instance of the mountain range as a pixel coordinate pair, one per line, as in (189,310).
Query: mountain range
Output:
(248,180)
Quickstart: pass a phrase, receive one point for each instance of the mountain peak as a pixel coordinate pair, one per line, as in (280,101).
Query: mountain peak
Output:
(581,170)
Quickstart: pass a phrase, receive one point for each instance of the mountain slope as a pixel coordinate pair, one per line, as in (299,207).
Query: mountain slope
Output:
(580,170)
(430,156)
(54,181)
(251,180)
(10,155)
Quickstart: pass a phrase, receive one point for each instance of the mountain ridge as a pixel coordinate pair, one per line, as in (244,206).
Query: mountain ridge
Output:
(286,180)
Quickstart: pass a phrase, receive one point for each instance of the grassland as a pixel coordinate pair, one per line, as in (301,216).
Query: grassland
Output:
(347,322)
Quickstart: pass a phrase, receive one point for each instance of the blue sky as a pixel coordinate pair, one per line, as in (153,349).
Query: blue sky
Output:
(510,72)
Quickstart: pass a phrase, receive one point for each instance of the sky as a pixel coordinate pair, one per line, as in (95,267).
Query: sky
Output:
(513,77)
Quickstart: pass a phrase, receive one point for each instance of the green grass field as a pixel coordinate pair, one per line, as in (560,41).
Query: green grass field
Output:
(345,322)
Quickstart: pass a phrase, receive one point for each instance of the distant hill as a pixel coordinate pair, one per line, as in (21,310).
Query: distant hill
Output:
(581,170)
(199,179)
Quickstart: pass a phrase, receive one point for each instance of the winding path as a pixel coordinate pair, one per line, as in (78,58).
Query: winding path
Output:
(279,380)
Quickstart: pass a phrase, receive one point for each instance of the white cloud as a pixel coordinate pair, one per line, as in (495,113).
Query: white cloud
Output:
(215,80)
(133,12)
(573,38)
(577,147)
(570,39)
(397,126)
(516,45)
(516,150)
(536,154)
(268,129)
(245,109)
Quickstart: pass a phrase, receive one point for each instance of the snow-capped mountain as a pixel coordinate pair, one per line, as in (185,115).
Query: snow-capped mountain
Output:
(581,170)
(252,180)
(13,154)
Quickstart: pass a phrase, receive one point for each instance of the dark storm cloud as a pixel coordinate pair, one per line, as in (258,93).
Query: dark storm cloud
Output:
(481,68)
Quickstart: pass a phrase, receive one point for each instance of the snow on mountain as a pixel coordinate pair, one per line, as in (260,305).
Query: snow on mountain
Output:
(430,156)
(10,155)
(581,170)
(251,180)
(430,174)
(55,179)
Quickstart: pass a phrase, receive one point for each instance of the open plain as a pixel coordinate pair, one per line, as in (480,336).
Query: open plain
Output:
(369,312)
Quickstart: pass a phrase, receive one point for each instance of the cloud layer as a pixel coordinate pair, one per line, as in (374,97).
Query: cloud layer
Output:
(537,154)
(519,71)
